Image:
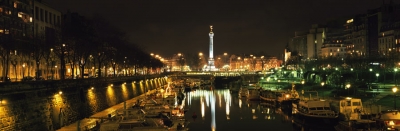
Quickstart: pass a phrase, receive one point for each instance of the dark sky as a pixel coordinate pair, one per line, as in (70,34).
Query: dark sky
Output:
(168,27)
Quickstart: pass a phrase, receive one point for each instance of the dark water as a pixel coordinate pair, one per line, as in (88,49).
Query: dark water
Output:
(220,110)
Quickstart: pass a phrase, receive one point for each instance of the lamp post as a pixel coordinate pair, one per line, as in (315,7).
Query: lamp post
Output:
(394,89)
(56,72)
(369,78)
(23,71)
(225,60)
(348,89)
(394,77)
(377,75)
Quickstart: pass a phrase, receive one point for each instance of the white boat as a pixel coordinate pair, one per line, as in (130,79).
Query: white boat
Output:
(315,109)
(351,108)
(389,120)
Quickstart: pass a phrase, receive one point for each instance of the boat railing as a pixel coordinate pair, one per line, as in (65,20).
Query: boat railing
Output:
(325,113)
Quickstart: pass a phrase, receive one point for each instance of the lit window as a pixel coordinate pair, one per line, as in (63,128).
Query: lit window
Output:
(1,31)
(1,10)
(30,19)
(19,14)
(15,5)
(9,12)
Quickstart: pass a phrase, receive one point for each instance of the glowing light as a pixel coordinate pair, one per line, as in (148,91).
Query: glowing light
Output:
(255,117)
(220,101)
(60,92)
(240,103)
(213,123)
(202,108)
(391,123)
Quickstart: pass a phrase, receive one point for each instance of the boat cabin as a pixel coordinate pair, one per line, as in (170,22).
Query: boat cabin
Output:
(351,108)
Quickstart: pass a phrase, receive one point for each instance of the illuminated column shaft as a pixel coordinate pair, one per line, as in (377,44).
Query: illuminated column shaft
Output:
(211,45)
(211,60)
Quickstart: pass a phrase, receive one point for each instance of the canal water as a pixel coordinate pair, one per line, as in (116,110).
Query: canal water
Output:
(221,110)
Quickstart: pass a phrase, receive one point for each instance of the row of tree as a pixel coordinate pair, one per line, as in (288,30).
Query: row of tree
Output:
(78,43)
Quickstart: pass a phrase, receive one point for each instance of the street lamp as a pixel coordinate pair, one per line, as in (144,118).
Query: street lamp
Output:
(370,70)
(23,71)
(348,88)
(394,77)
(394,89)
(56,71)
(377,75)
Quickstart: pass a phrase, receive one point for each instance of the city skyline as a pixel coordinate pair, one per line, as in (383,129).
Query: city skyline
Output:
(171,27)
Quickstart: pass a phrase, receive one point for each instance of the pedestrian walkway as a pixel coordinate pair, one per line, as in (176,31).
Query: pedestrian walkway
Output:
(90,122)
(380,95)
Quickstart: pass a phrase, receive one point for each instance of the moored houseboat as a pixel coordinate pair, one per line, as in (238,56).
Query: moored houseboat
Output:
(315,110)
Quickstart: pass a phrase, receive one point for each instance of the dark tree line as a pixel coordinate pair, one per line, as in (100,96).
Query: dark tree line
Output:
(83,43)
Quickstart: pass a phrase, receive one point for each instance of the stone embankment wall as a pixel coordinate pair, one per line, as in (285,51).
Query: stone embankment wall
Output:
(49,105)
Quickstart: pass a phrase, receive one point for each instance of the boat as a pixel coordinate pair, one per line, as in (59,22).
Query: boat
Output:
(351,111)
(250,91)
(388,120)
(315,110)
(253,95)
(288,97)
(268,96)
(243,92)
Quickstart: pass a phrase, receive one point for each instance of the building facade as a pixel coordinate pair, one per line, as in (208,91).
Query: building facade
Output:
(315,39)
(16,34)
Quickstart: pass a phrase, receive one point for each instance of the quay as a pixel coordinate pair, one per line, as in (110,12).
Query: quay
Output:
(156,99)
(89,123)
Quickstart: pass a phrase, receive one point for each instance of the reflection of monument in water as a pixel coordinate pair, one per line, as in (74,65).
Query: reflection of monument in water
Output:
(211,66)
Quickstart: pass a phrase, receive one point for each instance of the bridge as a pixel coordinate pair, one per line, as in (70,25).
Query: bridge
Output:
(221,78)
(226,73)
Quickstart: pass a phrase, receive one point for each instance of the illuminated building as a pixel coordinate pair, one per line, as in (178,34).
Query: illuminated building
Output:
(15,29)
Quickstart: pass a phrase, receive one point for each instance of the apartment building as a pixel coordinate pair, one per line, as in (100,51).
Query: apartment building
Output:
(16,33)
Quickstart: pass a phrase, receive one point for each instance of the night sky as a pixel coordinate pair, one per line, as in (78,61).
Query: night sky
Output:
(168,27)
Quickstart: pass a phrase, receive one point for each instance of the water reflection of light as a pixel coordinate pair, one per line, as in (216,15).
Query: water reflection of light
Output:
(240,103)
(202,108)
(219,97)
(227,108)
(254,116)
(209,99)
(212,99)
